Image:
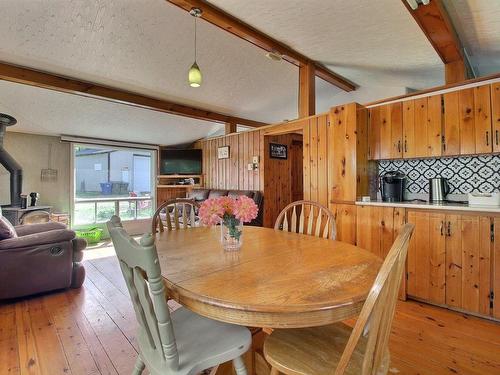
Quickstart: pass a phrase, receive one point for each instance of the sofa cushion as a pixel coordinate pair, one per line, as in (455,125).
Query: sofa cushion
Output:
(237,193)
(6,229)
(198,195)
(217,193)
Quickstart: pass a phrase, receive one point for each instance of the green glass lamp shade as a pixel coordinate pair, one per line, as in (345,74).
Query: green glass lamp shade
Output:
(194,75)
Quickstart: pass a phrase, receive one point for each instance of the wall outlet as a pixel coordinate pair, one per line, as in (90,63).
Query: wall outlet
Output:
(250,166)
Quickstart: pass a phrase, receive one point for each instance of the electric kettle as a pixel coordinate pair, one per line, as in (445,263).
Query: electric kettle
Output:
(438,189)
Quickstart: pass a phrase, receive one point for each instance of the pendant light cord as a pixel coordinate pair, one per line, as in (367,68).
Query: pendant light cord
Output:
(195,39)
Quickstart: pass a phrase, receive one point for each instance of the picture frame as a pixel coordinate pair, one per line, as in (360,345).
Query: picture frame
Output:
(223,152)
(278,151)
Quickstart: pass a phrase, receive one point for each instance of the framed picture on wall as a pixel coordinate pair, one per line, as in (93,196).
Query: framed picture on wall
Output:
(278,151)
(223,152)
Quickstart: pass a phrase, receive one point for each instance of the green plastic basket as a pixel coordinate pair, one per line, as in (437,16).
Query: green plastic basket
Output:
(92,235)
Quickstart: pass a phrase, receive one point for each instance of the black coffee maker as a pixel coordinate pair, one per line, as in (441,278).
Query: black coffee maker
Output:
(34,196)
(392,186)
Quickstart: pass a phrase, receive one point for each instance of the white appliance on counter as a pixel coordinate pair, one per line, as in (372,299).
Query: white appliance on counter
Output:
(484,199)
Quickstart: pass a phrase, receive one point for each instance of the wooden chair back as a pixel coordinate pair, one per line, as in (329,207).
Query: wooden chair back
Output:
(375,319)
(141,270)
(181,208)
(307,217)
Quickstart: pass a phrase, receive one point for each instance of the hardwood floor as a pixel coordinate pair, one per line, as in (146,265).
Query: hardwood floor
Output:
(92,331)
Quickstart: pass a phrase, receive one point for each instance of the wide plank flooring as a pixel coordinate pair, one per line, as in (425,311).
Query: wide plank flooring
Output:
(92,331)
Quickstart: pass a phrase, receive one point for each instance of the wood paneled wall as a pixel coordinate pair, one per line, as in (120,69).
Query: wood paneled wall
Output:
(232,173)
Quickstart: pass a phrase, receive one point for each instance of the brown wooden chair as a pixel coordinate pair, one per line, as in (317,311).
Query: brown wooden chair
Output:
(338,349)
(179,214)
(307,217)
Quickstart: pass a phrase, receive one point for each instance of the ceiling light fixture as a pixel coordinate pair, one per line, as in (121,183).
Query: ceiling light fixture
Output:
(415,3)
(194,74)
(274,56)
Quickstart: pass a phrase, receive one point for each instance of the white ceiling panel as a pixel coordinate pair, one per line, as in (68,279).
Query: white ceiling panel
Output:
(48,112)
(373,43)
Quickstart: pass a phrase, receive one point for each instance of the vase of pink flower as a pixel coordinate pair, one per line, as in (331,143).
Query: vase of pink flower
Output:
(230,213)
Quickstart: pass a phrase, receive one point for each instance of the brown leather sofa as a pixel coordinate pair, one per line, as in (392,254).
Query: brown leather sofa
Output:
(200,195)
(41,258)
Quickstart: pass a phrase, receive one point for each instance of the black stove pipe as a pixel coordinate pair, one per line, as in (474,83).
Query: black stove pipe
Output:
(12,166)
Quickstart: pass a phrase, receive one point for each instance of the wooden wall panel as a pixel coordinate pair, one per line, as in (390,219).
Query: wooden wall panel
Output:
(323,160)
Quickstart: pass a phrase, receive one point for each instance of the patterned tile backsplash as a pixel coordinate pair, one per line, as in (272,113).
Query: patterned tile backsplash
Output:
(465,174)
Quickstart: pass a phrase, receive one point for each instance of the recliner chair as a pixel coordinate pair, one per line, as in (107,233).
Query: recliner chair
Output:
(43,257)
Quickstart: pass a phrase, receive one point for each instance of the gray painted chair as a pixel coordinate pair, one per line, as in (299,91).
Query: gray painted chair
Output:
(177,343)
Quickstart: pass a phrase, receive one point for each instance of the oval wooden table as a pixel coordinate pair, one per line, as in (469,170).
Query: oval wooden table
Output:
(277,279)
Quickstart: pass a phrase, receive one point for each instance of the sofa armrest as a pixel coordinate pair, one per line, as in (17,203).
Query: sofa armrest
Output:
(37,239)
(25,230)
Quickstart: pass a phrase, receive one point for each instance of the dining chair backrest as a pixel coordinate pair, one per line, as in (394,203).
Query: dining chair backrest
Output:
(141,270)
(307,217)
(375,319)
(183,215)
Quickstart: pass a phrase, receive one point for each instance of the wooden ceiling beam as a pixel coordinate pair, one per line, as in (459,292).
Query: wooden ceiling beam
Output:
(54,82)
(246,32)
(436,24)
(307,91)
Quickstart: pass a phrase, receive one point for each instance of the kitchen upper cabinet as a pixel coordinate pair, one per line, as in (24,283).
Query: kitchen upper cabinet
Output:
(495,115)
(409,129)
(475,125)
(451,126)
(449,260)
(386,132)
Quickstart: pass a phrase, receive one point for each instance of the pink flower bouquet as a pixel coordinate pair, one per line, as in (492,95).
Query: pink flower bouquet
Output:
(230,213)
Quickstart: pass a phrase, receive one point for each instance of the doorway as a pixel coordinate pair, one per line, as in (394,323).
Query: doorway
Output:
(283,173)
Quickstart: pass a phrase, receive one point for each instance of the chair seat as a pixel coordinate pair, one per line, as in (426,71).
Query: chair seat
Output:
(312,351)
(201,343)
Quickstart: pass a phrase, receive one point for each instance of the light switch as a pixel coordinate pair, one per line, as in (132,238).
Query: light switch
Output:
(250,166)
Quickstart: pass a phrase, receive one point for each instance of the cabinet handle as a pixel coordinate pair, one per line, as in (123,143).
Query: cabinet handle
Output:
(496,137)
(449,229)
(441,228)
(487,138)
(399,146)
(406,146)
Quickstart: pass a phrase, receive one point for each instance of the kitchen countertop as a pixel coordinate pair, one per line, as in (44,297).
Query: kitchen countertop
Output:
(432,206)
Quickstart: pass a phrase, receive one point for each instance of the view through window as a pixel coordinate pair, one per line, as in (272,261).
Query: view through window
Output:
(110,181)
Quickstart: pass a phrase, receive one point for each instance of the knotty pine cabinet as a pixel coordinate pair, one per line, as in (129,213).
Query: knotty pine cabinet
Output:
(450,260)
(462,122)
(376,229)
(347,153)
(345,222)
(495,115)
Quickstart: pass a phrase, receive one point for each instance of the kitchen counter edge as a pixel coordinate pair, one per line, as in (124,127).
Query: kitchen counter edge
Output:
(433,206)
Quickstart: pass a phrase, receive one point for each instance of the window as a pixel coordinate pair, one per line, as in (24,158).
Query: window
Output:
(112,181)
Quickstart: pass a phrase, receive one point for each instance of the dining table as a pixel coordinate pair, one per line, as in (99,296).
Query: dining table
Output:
(276,279)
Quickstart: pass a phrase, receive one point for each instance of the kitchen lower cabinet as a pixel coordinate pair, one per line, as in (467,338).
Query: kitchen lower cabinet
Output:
(345,222)
(377,228)
(496,268)
(449,260)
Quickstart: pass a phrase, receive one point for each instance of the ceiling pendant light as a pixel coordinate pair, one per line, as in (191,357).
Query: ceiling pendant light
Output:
(194,75)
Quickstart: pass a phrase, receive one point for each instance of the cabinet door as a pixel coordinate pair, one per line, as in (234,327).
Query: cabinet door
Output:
(476,273)
(496,268)
(408,129)
(482,119)
(421,127)
(453,261)
(466,121)
(385,136)
(434,125)
(495,115)
(451,136)
(396,130)
(427,257)
(368,228)
(345,222)
(374,133)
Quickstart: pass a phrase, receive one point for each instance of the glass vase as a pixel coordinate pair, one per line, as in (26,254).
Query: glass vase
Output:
(231,234)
